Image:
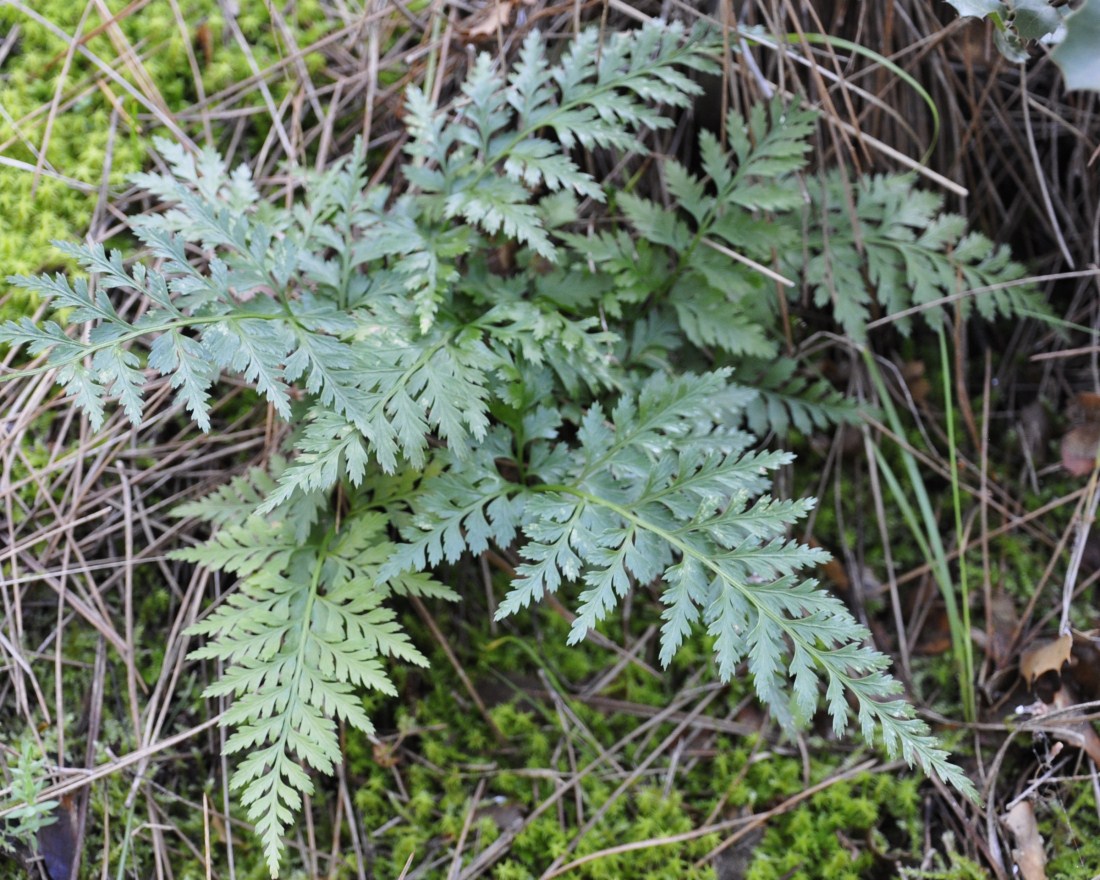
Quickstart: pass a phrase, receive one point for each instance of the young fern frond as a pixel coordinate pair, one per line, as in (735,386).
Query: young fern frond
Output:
(461,510)
(484,164)
(784,400)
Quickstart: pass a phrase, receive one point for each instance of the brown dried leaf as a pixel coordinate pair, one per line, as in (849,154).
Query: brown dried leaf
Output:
(913,372)
(1028,854)
(1004,622)
(1079,447)
(494,18)
(385,756)
(834,572)
(1084,408)
(935,635)
(1046,658)
(1081,442)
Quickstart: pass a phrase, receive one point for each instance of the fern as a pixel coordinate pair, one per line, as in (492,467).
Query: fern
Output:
(483,165)
(786,400)
(577,405)
(907,253)
(305,629)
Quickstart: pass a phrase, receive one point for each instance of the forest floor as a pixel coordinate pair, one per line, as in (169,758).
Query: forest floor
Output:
(516,756)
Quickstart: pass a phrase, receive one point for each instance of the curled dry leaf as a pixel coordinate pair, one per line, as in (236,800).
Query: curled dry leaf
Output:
(1086,665)
(1048,657)
(1079,447)
(493,17)
(1047,660)
(1081,443)
(1030,858)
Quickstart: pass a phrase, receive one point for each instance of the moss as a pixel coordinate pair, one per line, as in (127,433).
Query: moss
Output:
(79,139)
(839,834)
(1070,828)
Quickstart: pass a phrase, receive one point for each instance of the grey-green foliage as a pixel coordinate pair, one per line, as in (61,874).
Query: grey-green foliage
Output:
(578,406)
(784,399)
(906,252)
(1074,29)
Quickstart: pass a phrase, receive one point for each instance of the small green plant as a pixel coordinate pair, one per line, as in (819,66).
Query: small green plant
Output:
(578,406)
(25,811)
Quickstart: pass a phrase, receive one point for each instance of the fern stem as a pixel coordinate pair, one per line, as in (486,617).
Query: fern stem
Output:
(92,348)
(307,614)
(132,336)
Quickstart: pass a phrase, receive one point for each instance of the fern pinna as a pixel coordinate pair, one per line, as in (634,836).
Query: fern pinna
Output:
(581,408)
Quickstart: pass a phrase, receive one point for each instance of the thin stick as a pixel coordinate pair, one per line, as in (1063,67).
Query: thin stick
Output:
(456,861)
(752,264)
(1084,524)
(444,643)
(1019,282)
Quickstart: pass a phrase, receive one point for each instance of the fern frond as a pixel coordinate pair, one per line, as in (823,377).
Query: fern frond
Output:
(243,496)
(641,504)
(771,143)
(486,161)
(908,253)
(785,399)
(330,448)
(251,339)
(436,382)
(191,373)
(719,302)
(461,510)
(245,548)
(305,631)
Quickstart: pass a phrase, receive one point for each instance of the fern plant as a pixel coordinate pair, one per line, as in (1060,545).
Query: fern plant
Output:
(578,406)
